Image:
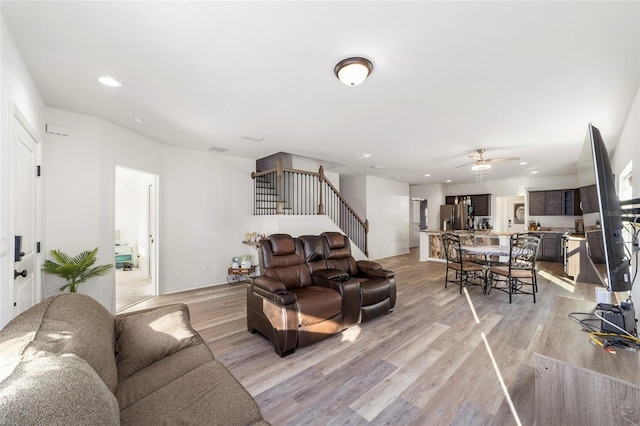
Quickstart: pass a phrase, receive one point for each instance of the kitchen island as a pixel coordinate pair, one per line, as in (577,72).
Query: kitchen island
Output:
(431,241)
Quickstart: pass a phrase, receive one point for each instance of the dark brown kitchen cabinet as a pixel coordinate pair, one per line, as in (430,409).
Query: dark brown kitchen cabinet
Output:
(553,203)
(571,202)
(537,203)
(559,202)
(550,247)
(481,203)
(589,199)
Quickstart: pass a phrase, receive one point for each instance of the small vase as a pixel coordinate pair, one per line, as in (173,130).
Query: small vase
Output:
(246,264)
(235,265)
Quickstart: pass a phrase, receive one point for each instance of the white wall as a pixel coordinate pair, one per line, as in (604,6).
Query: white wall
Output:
(388,206)
(17,88)
(354,189)
(205,210)
(204,201)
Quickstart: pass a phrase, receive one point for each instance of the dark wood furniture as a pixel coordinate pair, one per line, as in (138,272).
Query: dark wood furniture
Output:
(550,247)
(558,202)
(520,271)
(481,203)
(464,269)
(579,383)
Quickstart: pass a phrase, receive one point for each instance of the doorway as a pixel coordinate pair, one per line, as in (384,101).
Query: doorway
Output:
(419,220)
(510,214)
(135,244)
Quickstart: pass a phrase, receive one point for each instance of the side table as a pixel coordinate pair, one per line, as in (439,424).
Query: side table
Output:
(238,275)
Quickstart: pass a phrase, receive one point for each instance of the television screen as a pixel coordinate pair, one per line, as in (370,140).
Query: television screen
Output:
(601,214)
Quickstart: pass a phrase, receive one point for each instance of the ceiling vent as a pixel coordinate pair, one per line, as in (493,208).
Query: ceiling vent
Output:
(217,149)
(252,138)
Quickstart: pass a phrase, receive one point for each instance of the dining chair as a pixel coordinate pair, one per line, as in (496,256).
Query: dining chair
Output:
(464,269)
(520,271)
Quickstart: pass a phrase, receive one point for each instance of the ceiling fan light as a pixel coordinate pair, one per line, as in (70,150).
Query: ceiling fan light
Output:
(353,71)
(481,167)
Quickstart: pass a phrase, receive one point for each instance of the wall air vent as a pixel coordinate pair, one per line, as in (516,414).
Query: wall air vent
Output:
(56,129)
(218,149)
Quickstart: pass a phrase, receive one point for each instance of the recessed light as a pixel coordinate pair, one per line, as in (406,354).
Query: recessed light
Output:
(448,180)
(367,155)
(534,172)
(109,81)
(137,119)
(427,175)
(522,163)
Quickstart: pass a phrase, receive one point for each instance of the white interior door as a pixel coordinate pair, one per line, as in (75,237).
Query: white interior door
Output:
(152,233)
(516,215)
(24,197)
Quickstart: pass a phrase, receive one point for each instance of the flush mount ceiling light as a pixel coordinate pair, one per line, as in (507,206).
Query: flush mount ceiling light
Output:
(109,81)
(353,71)
(481,166)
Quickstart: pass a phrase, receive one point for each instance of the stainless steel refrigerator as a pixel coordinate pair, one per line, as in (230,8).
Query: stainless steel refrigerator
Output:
(454,216)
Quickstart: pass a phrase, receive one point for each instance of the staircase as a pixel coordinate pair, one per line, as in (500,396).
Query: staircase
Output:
(266,195)
(287,191)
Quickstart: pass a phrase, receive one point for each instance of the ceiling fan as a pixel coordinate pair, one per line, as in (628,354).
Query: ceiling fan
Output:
(481,163)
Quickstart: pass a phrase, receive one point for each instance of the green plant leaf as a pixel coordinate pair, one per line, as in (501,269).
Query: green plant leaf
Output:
(76,269)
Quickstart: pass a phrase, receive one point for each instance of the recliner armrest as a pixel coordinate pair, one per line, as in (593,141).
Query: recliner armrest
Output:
(268,284)
(374,269)
(329,274)
(384,273)
(273,290)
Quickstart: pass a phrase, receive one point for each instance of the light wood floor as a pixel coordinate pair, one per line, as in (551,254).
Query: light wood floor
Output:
(427,363)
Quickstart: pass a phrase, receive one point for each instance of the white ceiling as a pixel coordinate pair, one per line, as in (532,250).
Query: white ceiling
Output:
(517,78)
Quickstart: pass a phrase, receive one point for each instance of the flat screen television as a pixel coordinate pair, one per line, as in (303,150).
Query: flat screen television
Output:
(601,214)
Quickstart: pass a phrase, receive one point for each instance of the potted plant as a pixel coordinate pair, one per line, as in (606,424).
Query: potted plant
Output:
(75,270)
(246,261)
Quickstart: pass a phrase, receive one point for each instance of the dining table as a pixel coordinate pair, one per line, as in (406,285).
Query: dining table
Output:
(486,251)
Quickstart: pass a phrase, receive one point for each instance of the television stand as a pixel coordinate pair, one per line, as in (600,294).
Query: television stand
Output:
(578,382)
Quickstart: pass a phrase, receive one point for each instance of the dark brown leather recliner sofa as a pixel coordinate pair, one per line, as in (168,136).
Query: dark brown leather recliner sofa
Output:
(306,291)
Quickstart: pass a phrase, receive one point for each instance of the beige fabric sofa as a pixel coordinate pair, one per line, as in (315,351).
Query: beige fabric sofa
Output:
(69,361)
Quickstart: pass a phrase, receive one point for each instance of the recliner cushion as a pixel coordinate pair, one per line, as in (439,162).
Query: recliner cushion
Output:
(316,304)
(282,244)
(335,240)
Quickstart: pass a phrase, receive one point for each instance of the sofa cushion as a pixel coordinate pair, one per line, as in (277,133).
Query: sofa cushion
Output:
(67,324)
(154,376)
(150,336)
(56,390)
(208,395)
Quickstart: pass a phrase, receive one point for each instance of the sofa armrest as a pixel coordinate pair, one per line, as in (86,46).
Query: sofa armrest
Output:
(374,269)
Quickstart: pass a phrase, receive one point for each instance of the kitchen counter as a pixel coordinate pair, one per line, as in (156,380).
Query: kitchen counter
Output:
(431,241)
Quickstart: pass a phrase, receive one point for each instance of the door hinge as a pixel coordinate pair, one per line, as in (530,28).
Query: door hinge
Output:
(38,247)
(38,170)
(15,304)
